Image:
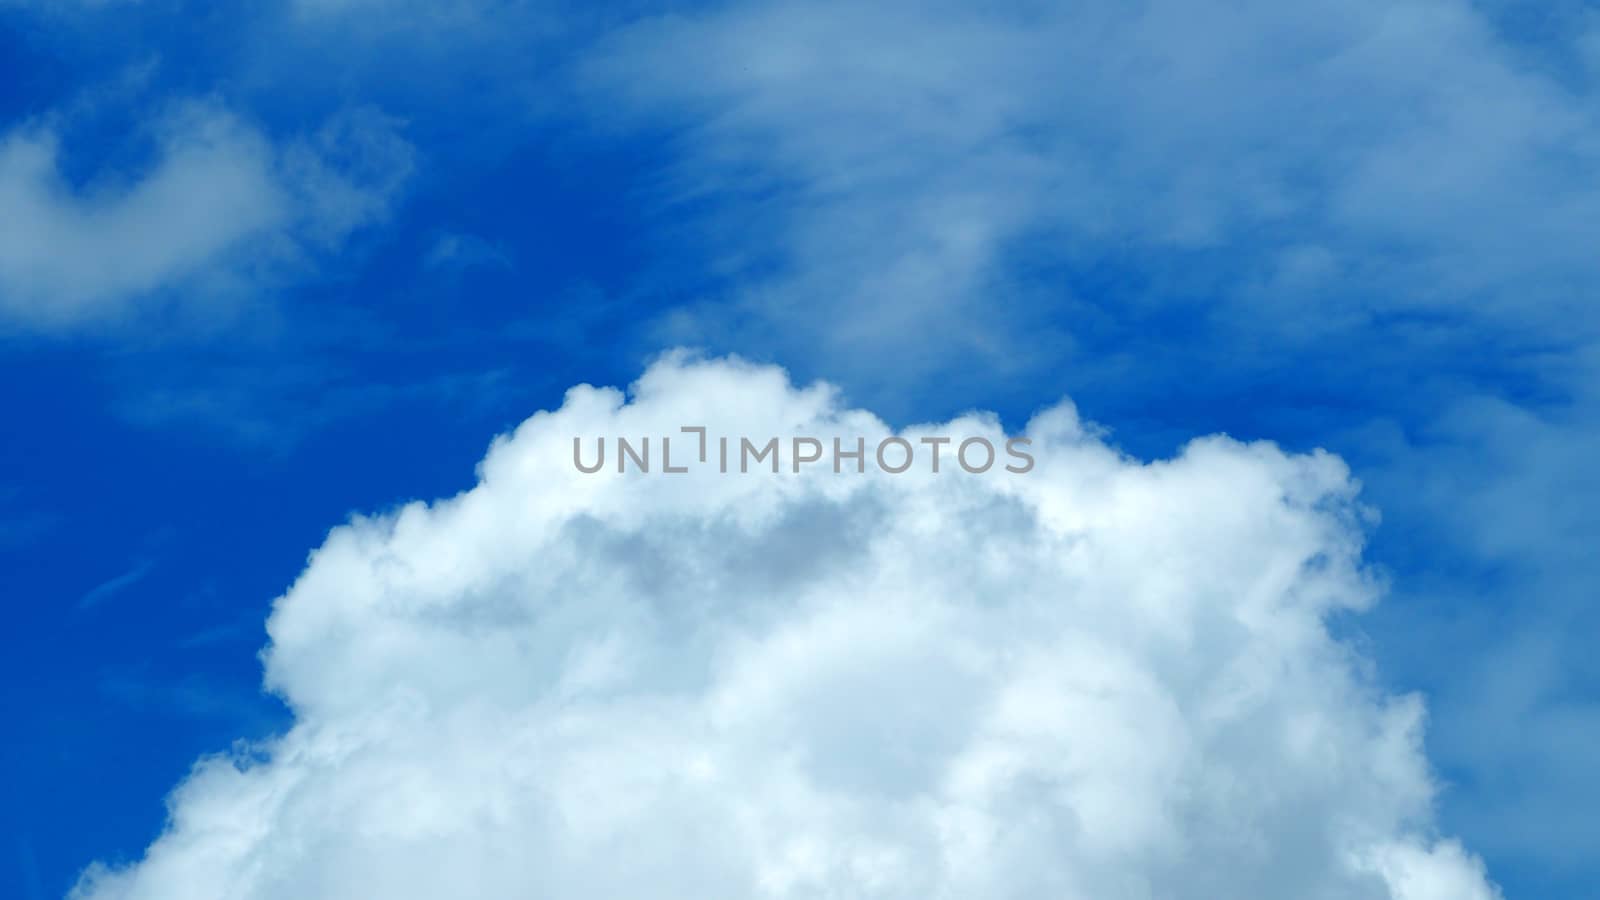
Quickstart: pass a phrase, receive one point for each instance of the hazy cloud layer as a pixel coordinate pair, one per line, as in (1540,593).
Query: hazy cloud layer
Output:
(949,178)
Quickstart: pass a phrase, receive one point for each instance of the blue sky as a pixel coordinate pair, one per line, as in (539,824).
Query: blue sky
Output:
(261,268)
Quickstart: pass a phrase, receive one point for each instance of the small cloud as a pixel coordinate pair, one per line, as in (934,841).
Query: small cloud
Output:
(218,634)
(21,530)
(112,586)
(224,208)
(189,696)
(465,251)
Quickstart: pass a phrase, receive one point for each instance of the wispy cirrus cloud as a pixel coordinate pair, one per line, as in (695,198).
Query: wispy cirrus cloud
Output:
(1299,171)
(115,585)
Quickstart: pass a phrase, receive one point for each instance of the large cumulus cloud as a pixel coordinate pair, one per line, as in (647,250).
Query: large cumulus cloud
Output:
(1100,679)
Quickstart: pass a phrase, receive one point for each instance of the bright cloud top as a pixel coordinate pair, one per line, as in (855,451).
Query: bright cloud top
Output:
(1100,679)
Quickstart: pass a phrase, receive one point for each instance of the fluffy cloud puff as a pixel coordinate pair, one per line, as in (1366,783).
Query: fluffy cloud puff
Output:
(1101,679)
(220,208)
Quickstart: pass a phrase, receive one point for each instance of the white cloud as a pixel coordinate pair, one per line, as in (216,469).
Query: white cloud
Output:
(454,251)
(220,208)
(1385,201)
(1102,679)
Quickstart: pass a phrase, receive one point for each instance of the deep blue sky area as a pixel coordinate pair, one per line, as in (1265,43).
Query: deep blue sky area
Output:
(286,263)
